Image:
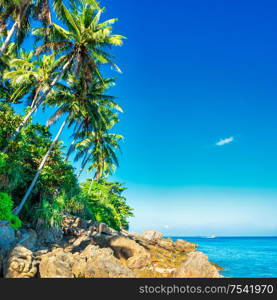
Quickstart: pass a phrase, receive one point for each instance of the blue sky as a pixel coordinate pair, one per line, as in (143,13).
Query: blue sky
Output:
(195,73)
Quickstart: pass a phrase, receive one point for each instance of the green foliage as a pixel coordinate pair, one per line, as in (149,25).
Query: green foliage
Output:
(106,203)
(81,42)
(6,205)
(3,159)
(18,167)
(15,222)
(48,215)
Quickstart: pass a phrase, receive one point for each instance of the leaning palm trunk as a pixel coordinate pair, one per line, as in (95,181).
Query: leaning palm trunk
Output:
(84,164)
(14,28)
(37,104)
(38,89)
(19,208)
(73,142)
(8,38)
(90,186)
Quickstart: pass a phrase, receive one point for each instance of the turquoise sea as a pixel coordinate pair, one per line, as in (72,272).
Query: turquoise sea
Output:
(240,257)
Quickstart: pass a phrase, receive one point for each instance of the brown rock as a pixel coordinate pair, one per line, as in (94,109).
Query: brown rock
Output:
(196,266)
(151,235)
(49,235)
(20,263)
(183,245)
(166,243)
(94,262)
(56,264)
(125,248)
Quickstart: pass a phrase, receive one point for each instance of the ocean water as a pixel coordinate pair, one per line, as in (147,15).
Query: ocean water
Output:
(240,257)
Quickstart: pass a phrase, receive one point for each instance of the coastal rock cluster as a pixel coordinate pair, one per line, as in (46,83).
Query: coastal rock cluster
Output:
(88,249)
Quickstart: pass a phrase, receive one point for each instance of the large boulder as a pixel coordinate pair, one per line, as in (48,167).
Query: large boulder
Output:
(56,264)
(136,256)
(197,265)
(20,263)
(151,235)
(95,262)
(49,235)
(28,238)
(7,237)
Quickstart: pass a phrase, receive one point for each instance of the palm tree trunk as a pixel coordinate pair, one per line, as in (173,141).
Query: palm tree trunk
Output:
(83,165)
(90,187)
(37,104)
(73,142)
(13,29)
(8,38)
(36,96)
(19,208)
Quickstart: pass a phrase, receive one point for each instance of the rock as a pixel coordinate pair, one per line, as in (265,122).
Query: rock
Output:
(88,249)
(166,244)
(20,263)
(75,226)
(103,228)
(7,237)
(151,235)
(94,262)
(102,240)
(183,245)
(49,235)
(196,266)
(125,248)
(56,264)
(28,239)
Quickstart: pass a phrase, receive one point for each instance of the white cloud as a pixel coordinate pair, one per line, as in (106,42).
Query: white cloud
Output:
(223,142)
(166,226)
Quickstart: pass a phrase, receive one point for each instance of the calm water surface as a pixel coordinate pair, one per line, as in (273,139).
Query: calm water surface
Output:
(252,257)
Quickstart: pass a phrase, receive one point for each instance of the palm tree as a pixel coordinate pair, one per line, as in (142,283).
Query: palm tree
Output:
(74,102)
(82,43)
(27,194)
(29,76)
(6,89)
(104,158)
(19,11)
(90,121)
(101,151)
(99,147)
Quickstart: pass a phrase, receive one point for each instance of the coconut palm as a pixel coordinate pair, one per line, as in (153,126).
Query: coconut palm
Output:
(99,147)
(19,11)
(6,89)
(30,75)
(82,45)
(75,103)
(102,146)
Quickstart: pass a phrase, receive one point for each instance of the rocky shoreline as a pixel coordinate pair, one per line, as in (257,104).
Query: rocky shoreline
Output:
(87,249)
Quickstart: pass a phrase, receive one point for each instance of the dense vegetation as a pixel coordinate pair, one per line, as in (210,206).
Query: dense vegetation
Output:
(61,76)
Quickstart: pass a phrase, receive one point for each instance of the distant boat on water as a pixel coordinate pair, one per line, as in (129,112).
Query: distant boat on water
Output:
(211,237)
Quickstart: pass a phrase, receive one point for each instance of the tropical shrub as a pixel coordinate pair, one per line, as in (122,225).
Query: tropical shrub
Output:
(33,167)
(18,167)
(106,203)
(6,205)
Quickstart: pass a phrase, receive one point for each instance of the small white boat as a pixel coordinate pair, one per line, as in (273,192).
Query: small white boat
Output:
(211,237)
